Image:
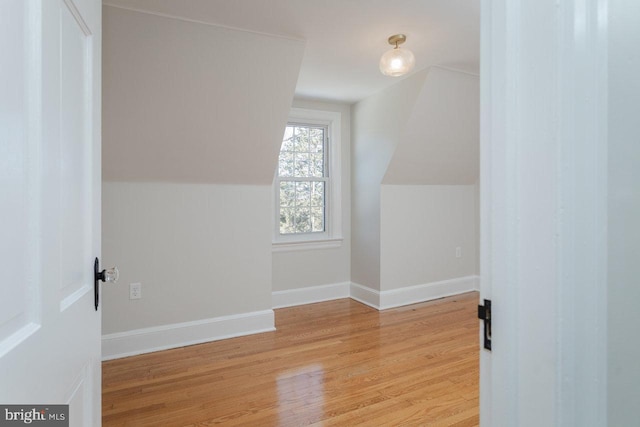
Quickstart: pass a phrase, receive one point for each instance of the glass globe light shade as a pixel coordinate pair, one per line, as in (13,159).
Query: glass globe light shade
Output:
(397,62)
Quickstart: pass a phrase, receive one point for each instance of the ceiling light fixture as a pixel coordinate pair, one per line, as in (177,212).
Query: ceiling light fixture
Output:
(397,62)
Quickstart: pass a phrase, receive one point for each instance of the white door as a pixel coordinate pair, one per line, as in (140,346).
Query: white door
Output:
(50,204)
(544,212)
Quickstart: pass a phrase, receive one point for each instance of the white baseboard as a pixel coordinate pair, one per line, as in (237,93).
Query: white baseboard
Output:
(427,292)
(147,340)
(413,294)
(365,295)
(310,295)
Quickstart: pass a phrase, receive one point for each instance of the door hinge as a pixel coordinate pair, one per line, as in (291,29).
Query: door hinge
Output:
(484,313)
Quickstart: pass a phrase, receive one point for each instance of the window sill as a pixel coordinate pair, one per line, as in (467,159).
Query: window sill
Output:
(306,245)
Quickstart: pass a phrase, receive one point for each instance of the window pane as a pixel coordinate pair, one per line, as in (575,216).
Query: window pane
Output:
(303,220)
(301,139)
(287,194)
(317,165)
(287,140)
(287,218)
(316,140)
(285,164)
(301,165)
(317,219)
(303,194)
(317,194)
(302,199)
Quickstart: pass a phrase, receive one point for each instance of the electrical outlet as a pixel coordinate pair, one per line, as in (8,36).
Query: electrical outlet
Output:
(458,252)
(135,291)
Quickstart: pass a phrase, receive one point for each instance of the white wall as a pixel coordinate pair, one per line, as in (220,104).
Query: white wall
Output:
(422,131)
(299,269)
(421,226)
(439,144)
(200,251)
(624,214)
(189,102)
(377,124)
(193,119)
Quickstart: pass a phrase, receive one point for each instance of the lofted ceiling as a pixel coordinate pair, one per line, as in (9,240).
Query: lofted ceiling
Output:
(344,38)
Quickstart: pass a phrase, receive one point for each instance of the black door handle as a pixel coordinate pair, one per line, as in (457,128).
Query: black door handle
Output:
(484,313)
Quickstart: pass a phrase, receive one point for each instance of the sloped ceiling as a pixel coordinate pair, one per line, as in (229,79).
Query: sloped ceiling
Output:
(189,102)
(440,141)
(345,38)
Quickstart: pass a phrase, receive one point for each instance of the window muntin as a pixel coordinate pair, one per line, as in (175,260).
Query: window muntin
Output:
(302,180)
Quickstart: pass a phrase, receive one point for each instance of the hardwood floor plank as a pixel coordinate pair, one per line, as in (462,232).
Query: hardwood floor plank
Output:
(337,363)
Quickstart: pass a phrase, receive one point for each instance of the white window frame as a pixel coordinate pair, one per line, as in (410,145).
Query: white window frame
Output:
(332,236)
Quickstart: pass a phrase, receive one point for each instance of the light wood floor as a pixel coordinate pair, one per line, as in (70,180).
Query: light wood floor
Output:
(337,363)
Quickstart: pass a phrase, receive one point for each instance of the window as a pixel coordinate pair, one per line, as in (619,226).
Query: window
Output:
(302,179)
(307,182)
